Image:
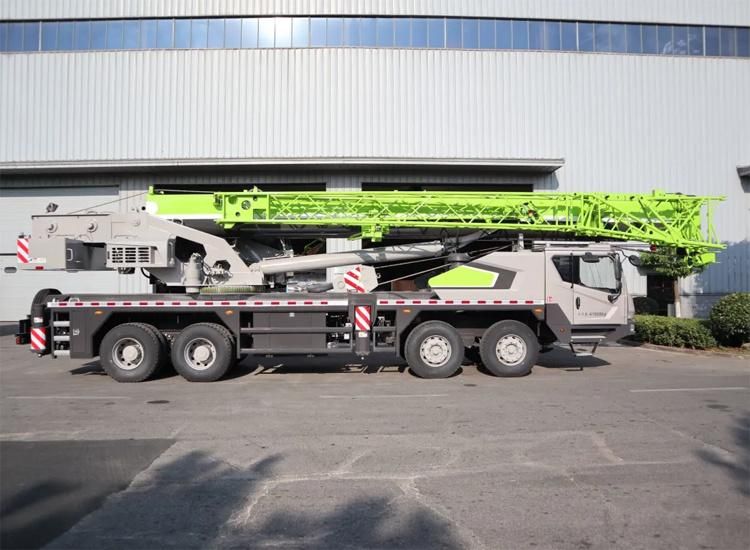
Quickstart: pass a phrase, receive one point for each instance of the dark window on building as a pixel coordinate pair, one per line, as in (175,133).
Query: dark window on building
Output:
(419,33)
(182,33)
(743,42)
(98,35)
(536,35)
(618,39)
(695,40)
(601,37)
(351,32)
(3,36)
(114,35)
(164,34)
(368,33)
(680,40)
(503,35)
(728,45)
(82,36)
(49,36)
(648,34)
(385,32)
(403,32)
(233,33)
(713,42)
(586,37)
(569,37)
(453,33)
(30,37)
(520,35)
(317,31)
(149,34)
(436,29)
(335,32)
(551,35)
(665,39)
(487,34)
(633,38)
(470,33)
(131,35)
(215,33)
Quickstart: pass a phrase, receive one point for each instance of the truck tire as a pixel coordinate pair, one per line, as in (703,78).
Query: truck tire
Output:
(42,296)
(509,348)
(203,352)
(130,352)
(164,349)
(434,349)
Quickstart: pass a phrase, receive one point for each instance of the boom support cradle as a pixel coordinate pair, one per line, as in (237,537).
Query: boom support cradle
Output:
(671,220)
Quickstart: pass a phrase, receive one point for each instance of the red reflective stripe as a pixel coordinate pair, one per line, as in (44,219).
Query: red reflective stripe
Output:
(242,303)
(514,301)
(225,303)
(78,304)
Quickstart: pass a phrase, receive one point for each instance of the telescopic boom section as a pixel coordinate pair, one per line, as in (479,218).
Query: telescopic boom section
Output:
(663,219)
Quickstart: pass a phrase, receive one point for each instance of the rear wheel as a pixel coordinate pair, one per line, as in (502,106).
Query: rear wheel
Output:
(203,352)
(509,348)
(130,352)
(434,349)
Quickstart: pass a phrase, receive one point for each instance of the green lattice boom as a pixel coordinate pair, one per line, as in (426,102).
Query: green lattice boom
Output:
(664,219)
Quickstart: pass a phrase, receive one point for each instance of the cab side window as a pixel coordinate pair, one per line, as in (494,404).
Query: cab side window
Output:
(564,266)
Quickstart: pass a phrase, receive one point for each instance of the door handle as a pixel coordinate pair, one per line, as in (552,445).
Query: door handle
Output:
(578,303)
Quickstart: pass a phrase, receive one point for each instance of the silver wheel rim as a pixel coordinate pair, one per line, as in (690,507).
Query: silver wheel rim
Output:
(435,351)
(127,354)
(200,354)
(510,349)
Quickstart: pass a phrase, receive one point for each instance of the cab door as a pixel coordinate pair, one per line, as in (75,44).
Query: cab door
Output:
(597,290)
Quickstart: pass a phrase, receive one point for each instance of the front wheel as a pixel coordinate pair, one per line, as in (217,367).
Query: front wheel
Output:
(509,348)
(203,352)
(434,349)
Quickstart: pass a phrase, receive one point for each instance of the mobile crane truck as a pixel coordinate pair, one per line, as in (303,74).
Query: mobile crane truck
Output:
(237,274)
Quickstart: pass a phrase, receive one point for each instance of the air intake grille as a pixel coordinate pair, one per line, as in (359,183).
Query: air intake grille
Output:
(130,255)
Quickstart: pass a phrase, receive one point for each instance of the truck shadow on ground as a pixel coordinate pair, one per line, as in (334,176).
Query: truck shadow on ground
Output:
(560,358)
(738,469)
(197,501)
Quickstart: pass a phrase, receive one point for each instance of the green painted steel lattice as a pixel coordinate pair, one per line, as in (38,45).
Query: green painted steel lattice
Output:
(664,219)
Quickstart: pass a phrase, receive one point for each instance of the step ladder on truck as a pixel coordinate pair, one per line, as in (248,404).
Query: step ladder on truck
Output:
(238,274)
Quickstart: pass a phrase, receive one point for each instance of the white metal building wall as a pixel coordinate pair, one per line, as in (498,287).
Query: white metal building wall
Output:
(707,12)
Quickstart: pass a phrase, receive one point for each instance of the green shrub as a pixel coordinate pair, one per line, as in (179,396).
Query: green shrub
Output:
(730,319)
(645,305)
(671,331)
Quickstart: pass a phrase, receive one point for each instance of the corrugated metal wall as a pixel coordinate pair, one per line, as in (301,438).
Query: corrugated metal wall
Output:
(622,122)
(723,12)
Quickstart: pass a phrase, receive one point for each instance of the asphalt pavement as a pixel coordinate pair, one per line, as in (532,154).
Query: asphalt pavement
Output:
(634,448)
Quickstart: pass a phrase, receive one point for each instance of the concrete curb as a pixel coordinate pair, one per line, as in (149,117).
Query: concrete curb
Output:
(707,353)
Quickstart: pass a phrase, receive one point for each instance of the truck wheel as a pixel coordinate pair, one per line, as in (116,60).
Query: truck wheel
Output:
(203,352)
(434,349)
(509,348)
(164,349)
(130,352)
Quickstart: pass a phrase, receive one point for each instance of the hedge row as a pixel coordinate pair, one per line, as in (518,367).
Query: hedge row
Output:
(673,331)
(730,319)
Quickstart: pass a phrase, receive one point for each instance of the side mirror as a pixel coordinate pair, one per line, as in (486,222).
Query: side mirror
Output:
(635,260)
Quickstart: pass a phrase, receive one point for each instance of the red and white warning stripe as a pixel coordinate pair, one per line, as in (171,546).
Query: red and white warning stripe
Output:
(38,339)
(362,317)
(351,280)
(282,303)
(22,250)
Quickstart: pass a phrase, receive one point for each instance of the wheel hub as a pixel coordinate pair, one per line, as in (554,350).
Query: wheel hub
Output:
(200,354)
(435,351)
(127,354)
(511,349)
